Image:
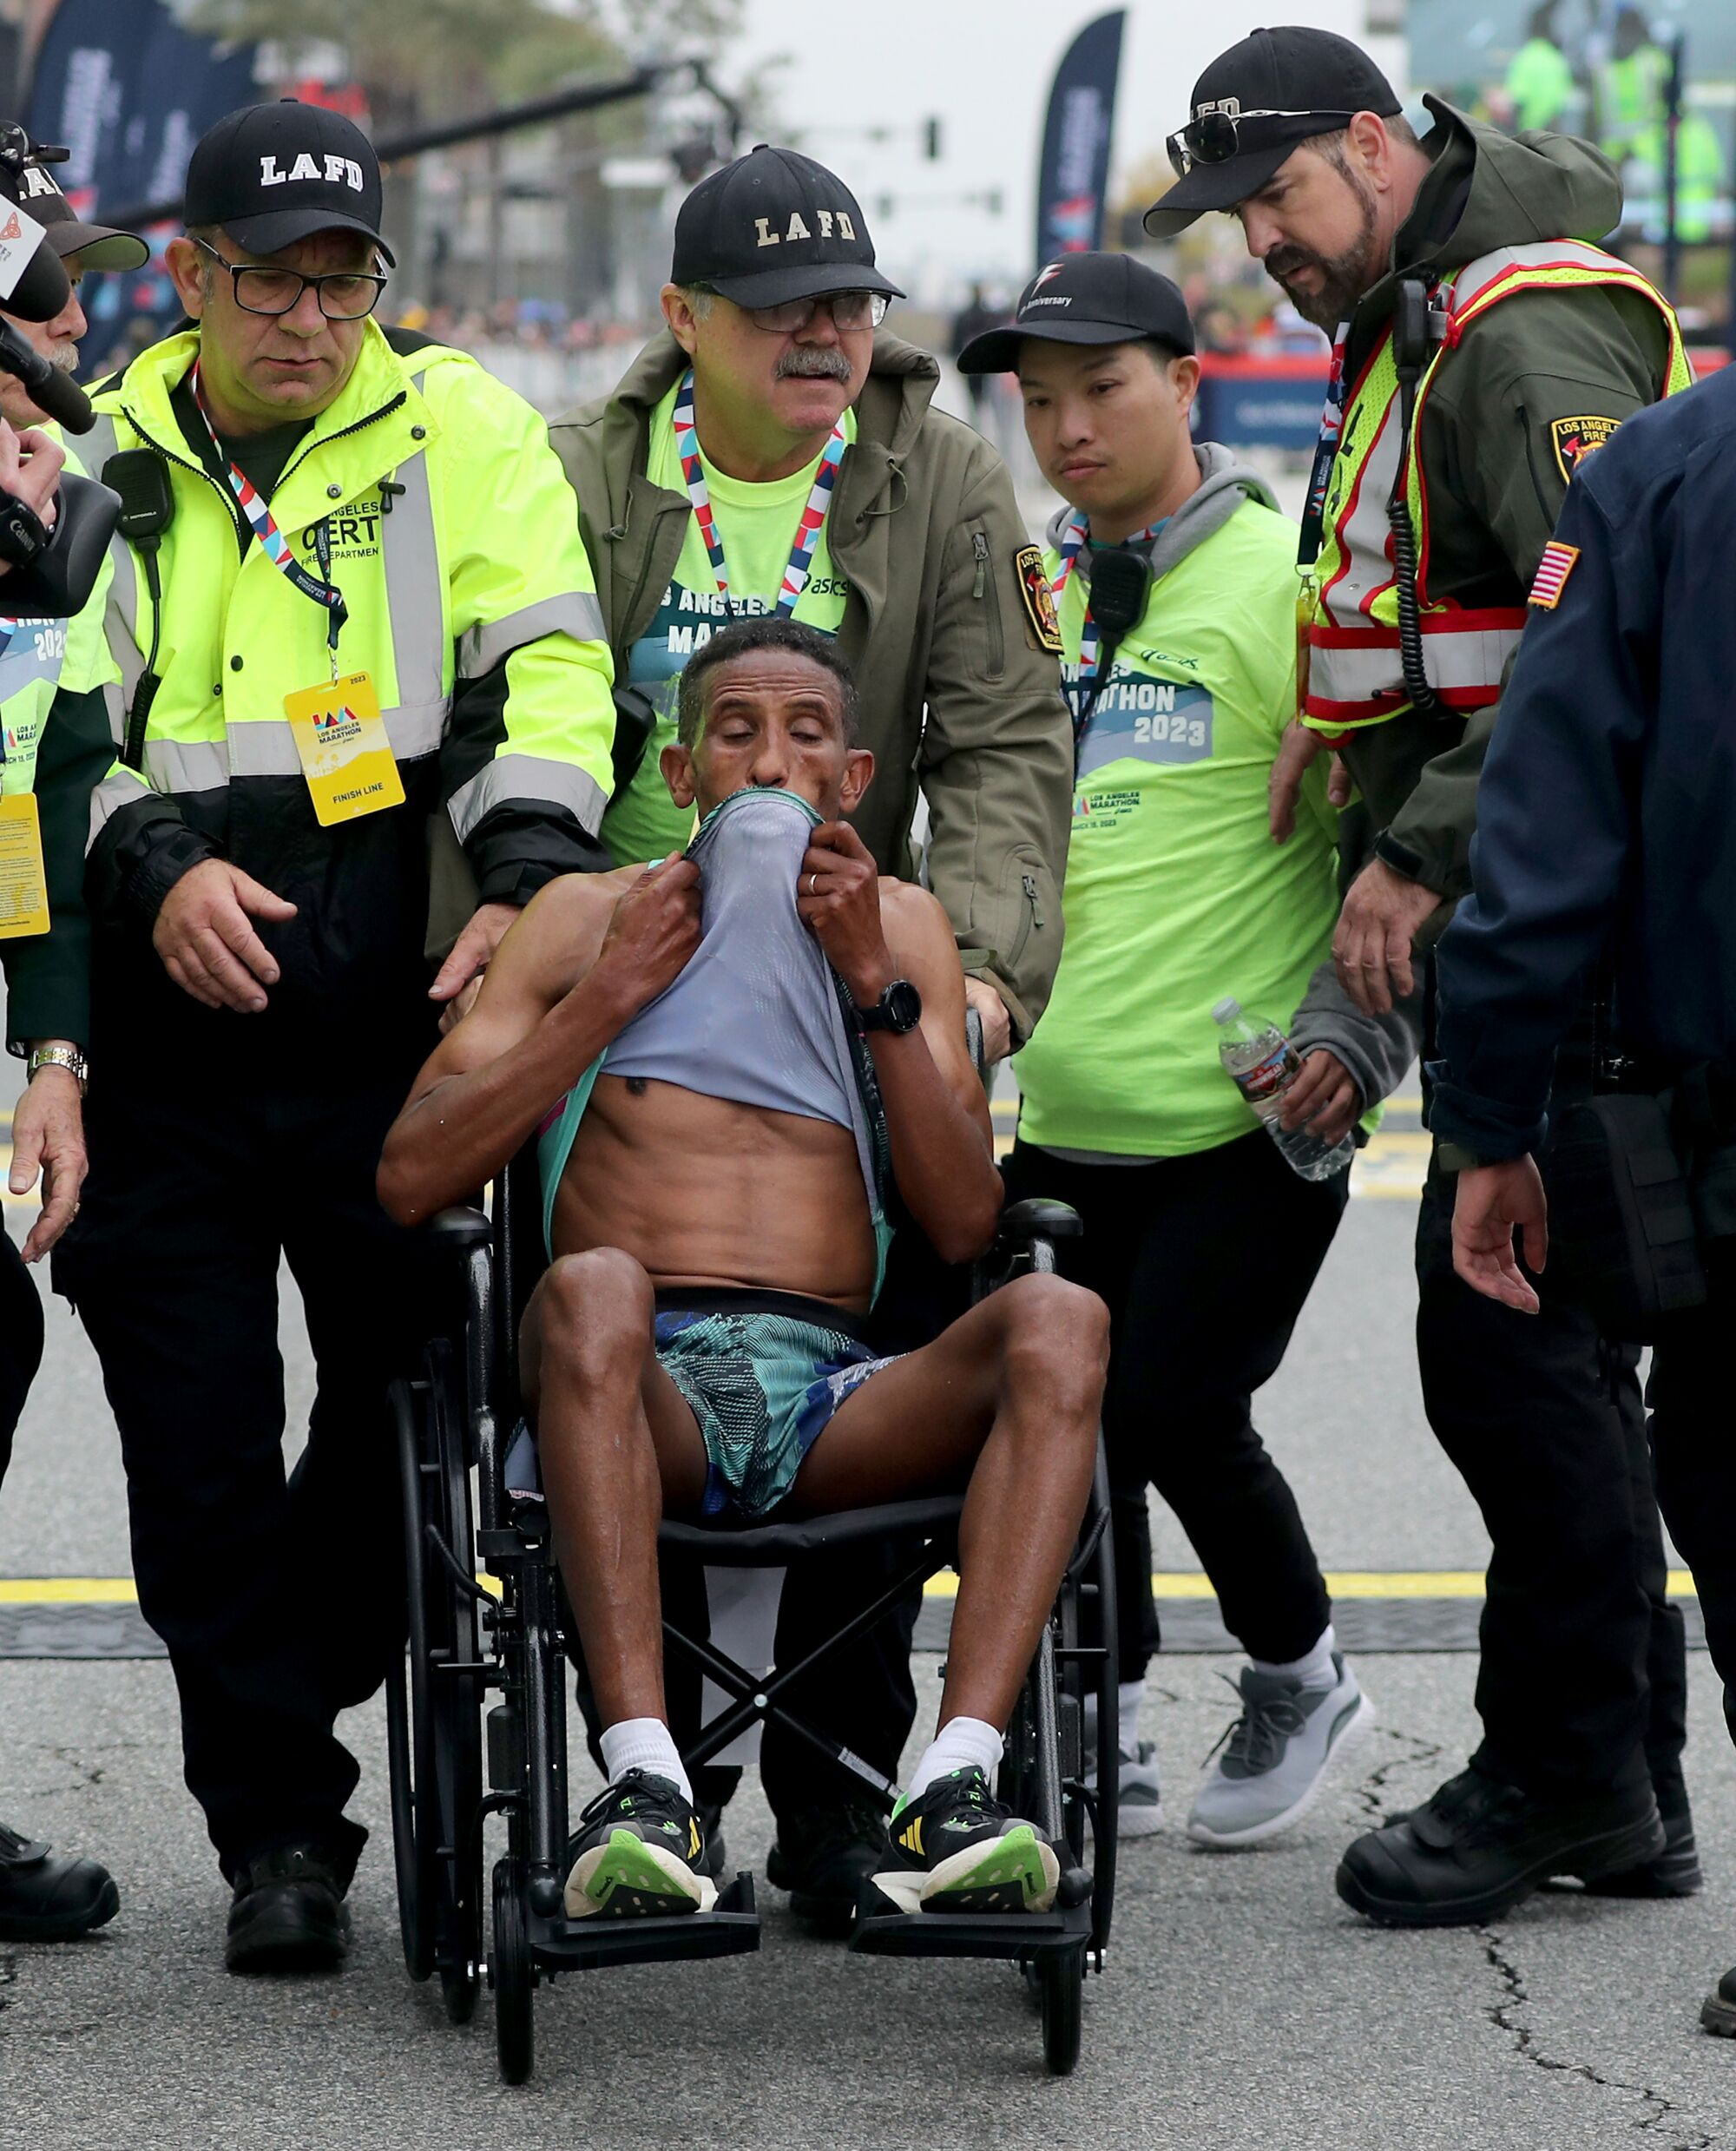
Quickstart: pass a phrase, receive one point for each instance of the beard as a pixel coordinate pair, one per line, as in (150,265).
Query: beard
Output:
(1344,278)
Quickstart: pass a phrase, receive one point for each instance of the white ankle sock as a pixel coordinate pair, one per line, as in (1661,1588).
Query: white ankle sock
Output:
(642,1744)
(960,1744)
(1128,1697)
(1314,1669)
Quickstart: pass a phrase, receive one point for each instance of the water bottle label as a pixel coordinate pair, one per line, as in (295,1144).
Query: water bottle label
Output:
(1271,1077)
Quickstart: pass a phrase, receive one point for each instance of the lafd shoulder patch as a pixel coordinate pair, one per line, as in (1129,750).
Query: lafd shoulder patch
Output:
(1553,570)
(1039,602)
(1574,439)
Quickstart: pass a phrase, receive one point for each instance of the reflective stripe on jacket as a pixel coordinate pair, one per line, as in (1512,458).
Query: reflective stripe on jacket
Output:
(1355,676)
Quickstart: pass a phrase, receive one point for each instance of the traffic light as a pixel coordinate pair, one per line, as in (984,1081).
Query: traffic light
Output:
(931,139)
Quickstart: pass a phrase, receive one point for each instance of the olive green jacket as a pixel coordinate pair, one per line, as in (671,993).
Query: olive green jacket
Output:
(960,698)
(1494,479)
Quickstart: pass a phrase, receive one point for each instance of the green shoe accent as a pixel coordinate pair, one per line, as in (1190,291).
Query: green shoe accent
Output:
(627,1865)
(1012,1861)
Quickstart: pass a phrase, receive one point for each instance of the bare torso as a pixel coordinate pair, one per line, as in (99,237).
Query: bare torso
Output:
(703,1191)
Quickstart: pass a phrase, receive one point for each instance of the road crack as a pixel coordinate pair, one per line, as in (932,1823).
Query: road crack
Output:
(1412,1753)
(1505,2015)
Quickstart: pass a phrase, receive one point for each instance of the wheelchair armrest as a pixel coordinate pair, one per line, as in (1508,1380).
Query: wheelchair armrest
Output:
(461,1228)
(1038,1217)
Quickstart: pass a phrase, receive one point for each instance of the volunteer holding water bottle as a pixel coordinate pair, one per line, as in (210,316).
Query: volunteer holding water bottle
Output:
(1173,579)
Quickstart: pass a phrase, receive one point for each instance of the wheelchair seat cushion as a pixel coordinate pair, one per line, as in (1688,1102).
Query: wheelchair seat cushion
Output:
(763,1374)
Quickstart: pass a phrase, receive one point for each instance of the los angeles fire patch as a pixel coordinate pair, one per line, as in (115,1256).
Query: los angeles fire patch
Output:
(1574,439)
(1553,570)
(1039,603)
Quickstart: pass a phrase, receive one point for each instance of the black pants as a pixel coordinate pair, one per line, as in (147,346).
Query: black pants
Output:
(1693,1437)
(281,1603)
(1583,1679)
(21,1342)
(1205,1262)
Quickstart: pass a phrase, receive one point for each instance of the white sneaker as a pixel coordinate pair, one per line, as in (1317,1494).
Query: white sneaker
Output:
(1138,1806)
(1276,1755)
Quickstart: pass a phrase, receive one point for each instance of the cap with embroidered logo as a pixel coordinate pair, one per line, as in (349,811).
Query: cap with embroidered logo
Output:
(773,226)
(1086,299)
(1253,107)
(36,190)
(271,174)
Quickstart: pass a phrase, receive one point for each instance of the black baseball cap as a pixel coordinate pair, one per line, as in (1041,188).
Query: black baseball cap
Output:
(772,227)
(271,174)
(36,192)
(1086,299)
(1252,106)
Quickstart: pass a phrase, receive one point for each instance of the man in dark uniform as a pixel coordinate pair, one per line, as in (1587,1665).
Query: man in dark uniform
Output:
(1484,349)
(1619,714)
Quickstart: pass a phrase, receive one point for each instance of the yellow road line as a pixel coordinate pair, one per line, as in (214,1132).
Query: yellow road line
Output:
(1172,1583)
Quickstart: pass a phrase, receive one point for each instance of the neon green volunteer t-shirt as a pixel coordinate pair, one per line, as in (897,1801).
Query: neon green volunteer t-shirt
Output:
(757,524)
(1175,894)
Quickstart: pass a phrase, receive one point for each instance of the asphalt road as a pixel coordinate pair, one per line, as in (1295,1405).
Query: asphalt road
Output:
(1242,2006)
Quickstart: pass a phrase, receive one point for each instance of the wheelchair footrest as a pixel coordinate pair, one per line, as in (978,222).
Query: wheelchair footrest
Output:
(1021,1935)
(730,1929)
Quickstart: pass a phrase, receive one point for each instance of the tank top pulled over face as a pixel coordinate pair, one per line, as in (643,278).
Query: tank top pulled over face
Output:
(756,1016)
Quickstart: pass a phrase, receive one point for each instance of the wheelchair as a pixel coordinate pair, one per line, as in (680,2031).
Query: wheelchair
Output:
(456,1759)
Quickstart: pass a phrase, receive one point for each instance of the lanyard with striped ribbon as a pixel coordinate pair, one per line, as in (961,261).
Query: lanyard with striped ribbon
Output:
(1073,540)
(807,531)
(277,548)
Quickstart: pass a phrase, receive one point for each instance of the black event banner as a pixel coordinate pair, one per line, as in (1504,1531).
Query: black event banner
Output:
(1073,175)
(122,86)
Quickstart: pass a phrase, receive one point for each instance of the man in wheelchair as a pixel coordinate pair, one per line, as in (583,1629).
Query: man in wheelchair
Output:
(727,1057)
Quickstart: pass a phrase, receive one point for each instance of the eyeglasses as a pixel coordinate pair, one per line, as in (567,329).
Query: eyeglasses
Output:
(849,310)
(346,295)
(1215,137)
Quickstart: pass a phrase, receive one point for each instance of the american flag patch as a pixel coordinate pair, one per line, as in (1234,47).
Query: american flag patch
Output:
(1553,570)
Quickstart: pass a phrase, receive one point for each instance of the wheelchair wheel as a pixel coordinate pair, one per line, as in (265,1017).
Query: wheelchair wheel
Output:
(512,1977)
(434,1728)
(1061,1989)
(1085,1624)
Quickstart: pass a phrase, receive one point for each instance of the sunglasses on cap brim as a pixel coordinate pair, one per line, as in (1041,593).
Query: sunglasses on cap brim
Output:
(1215,137)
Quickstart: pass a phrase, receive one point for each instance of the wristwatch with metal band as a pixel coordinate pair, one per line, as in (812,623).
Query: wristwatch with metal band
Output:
(898,1009)
(68,1057)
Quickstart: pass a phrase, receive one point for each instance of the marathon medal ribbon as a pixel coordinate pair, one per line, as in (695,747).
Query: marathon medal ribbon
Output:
(807,531)
(1073,541)
(340,734)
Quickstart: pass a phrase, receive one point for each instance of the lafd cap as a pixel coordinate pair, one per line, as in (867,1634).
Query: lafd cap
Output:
(1086,299)
(1253,106)
(271,174)
(773,226)
(31,186)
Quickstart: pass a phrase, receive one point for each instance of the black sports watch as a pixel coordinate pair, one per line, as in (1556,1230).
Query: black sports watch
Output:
(22,532)
(898,1009)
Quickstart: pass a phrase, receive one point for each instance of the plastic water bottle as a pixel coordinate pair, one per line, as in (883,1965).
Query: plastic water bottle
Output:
(1262,1064)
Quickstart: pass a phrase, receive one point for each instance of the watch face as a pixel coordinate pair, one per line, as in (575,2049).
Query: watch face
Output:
(903,1005)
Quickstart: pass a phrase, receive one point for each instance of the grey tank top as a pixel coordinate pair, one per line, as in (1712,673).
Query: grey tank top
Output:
(755,1015)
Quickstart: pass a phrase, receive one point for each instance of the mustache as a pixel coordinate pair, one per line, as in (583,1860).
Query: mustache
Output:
(65,356)
(1284,261)
(809,362)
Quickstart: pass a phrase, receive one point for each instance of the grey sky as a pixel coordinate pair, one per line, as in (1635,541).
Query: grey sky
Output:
(985,70)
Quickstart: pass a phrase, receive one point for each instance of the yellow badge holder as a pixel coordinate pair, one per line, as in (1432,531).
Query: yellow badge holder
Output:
(23,882)
(346,754)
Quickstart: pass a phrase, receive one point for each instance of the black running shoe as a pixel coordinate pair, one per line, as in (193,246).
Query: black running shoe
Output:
(638,1850)
(956,1848)
(821,1857)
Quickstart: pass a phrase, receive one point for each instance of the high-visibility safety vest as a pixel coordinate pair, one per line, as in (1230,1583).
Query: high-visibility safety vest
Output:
(1355,676)
(40,657)
(453,536)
